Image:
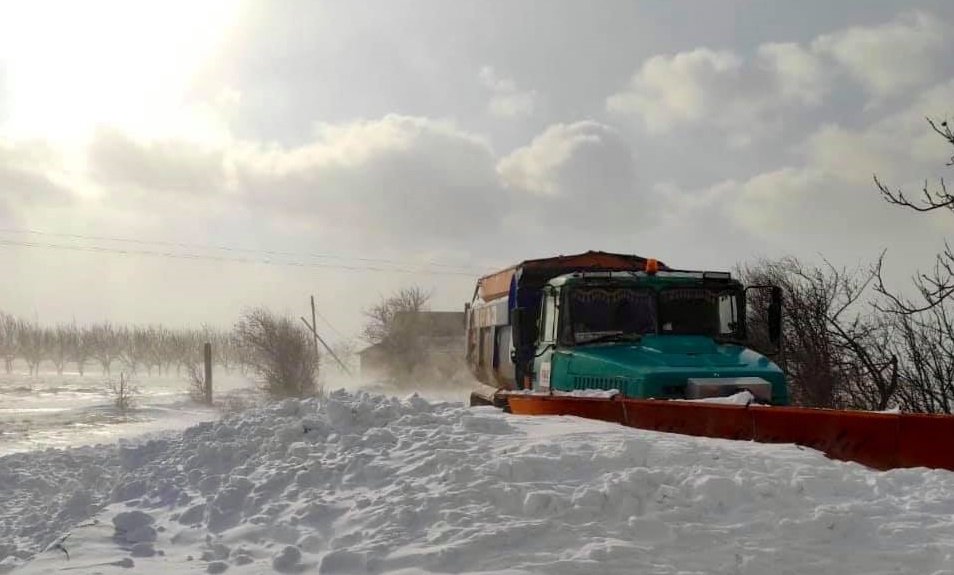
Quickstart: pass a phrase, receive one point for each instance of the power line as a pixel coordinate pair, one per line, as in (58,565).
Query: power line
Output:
(228,248)
(328,323)
(193,256)
(236,249)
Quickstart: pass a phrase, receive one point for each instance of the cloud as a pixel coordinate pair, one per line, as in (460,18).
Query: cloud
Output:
(714,138)
(572,160)
(401,179)
(798,74)
(707,92)
(820,198)
(829,202)
(119,162)
(28,180)
(672,90)
(576,184)
(404,182)
(747,97)
(899,147)
(506,100)
(775,202)
(891,58)
(398,182)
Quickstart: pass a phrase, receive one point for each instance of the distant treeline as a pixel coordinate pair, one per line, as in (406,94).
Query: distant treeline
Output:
(154,349)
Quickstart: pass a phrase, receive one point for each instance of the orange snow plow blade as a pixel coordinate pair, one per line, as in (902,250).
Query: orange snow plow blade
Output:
(878,440)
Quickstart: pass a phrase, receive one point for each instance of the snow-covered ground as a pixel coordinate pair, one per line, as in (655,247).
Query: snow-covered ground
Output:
(50,410)
(363,483)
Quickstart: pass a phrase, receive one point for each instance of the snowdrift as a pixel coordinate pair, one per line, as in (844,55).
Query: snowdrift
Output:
(363,483)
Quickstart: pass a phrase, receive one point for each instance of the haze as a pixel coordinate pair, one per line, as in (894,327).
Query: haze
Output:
(429,142)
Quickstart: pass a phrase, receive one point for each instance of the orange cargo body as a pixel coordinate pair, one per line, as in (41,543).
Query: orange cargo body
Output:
(497,285)
(878,440)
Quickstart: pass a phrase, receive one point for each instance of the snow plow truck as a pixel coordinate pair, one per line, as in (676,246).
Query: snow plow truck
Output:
(627,339)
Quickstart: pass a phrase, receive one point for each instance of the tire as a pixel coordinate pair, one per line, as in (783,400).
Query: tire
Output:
(477,400)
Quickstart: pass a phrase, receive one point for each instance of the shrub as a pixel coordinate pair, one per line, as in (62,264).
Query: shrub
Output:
(196,377)
(280,352)
(123,392)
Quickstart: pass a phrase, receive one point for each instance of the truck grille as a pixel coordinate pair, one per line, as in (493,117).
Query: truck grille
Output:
(606,383)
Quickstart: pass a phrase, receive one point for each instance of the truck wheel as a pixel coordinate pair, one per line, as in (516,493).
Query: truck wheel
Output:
(477,399)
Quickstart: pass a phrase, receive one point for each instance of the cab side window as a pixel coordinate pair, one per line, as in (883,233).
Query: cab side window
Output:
(728,313)
(548,317)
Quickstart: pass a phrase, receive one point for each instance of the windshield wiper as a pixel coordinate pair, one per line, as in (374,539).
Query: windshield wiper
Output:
(618,336)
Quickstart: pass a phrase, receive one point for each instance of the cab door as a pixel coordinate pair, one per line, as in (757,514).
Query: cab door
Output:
(547,328)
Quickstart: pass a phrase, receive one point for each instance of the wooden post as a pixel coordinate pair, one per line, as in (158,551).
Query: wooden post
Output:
(314,331)
(314,323)
(208,373)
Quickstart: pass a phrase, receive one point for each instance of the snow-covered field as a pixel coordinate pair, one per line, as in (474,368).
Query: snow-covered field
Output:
(50,410)
(363,483)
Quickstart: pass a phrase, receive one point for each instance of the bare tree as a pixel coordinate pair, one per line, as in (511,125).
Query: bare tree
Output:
(105,345)
(392,325)
(80,348)
(9,340)
(926,343)
(152,347)
(185,349)
(837,347)
(282,353)
(33,345)
(153,342)
(923,318)
(226,351)
(137,347)
(936,285)
(197,385)
(123,392)
(380,325)
(58,345)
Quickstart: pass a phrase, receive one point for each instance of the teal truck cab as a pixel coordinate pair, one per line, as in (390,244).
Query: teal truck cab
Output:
(609,323)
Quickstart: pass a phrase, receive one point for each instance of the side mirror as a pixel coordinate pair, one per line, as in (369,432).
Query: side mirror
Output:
(774,310)
(775,316)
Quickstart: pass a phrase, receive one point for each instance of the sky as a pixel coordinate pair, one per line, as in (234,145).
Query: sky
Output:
(179,162)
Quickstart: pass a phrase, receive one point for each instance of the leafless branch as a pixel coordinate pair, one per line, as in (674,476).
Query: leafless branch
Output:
(930,200)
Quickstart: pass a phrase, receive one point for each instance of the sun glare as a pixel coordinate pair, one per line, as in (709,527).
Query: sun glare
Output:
(70,67)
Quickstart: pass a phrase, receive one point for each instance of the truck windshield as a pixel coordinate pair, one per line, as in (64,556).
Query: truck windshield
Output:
(609,313)
(601,313)
(699,311)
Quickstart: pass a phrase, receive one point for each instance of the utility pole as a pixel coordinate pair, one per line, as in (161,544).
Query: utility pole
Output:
(314,323)
(314,331)
(312,327)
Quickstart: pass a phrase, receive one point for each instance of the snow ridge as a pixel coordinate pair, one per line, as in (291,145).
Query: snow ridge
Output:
(360,483)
